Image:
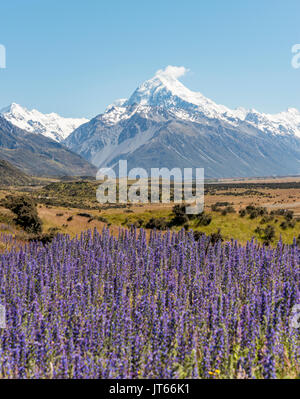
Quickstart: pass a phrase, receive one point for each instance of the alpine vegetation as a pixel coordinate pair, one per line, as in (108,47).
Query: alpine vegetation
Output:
(174,306)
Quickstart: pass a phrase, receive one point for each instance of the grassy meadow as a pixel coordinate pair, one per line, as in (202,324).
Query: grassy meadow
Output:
(71,207)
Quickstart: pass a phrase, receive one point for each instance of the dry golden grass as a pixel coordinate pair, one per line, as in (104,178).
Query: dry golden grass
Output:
(232,226)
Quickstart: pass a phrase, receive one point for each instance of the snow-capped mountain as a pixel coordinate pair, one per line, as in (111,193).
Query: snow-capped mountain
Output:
(51,125)
(164,123)
(35,154)
(284,123)
(165,90)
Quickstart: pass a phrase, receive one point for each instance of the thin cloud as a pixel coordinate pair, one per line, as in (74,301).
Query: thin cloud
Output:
(174,72)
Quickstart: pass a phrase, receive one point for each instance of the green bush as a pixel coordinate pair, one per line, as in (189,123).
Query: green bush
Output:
(197,235)
(157,223)
(216,237)
(84,215)
(138,223)
(203,219)
(267,219)
(25,210)
(180,218)
(287,224)
(269,234)
(230,209)
(242,213)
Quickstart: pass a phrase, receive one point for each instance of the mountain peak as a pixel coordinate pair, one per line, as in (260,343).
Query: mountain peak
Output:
(50,125)
(165,90)
(165,82)
(10,108)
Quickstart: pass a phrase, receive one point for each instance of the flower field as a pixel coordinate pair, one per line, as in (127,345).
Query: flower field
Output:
(100,306)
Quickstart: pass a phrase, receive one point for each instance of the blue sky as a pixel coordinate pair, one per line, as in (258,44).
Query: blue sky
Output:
(76,57)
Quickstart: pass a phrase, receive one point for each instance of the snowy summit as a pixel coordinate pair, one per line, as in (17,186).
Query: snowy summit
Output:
(51,125)
(165,90)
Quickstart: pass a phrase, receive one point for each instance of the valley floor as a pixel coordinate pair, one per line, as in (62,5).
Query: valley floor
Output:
(71,207)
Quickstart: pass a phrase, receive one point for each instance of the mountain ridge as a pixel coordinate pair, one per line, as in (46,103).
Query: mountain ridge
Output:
(157,124)
(50,125)
(38,155)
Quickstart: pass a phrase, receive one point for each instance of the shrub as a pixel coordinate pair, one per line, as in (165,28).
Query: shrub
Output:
(222,203)
(250,208)
(267,219)
(180,218)
(197,235)
(101,219)
(26,213)
(287,224)
(289,215)
(138,223)
(254,214)
(230,209)
(203,219)
(284,225)
(46,237)
(217,207)
(258,231)
(242,213)
(269,234)
(216,237)
(84,215)
(186,226)
(253,211)
(178,210)
(157,223)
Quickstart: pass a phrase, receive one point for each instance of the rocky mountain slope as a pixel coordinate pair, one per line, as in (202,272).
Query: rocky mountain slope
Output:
(38,155)
(12,176)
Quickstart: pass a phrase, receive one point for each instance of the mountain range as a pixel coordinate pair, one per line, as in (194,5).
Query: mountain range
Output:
(51,125)
(165,124)
(37,155)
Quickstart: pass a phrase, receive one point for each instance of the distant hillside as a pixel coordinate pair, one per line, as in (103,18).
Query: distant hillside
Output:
(38,155)
(12,176)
